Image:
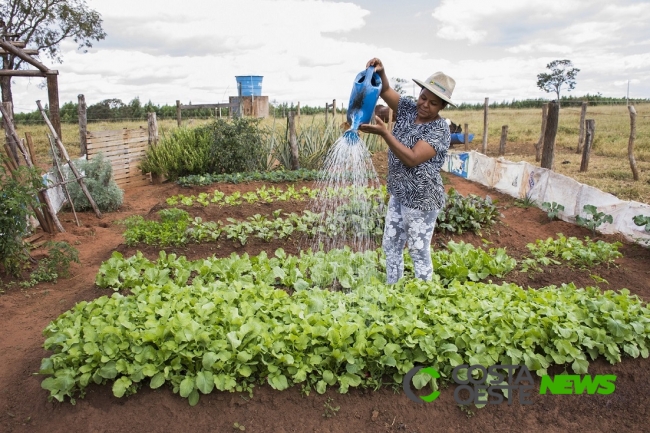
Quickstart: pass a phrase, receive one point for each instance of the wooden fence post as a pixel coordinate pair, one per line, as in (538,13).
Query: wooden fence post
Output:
(298,108)
(293,141)
(152,126)
(548,152)
(30,145)
(11,143)
(581,136)
(485,125)
(326,109)
(466,137)
(42,195)
(504,138)
(178,113)
(66,157)
(630,146)
(589,139)
(540,142)
(53,99)
(83,124)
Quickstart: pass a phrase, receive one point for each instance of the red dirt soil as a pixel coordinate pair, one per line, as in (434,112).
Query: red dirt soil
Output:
(24,313)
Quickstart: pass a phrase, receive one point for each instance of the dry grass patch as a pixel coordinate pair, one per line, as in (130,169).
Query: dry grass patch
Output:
(608,167)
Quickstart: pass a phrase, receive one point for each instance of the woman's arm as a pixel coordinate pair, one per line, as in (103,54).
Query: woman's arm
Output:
(389,95)
(421,152)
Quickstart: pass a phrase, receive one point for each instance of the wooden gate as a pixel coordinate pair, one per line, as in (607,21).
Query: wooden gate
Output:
(125,149)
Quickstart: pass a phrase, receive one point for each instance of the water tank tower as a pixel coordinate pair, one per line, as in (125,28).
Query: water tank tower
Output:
(249,99)
(249,85)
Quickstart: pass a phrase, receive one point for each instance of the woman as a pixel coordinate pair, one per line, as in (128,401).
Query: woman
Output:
(416,151)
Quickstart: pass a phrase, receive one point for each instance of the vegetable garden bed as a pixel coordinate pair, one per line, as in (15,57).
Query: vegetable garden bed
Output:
(274,299)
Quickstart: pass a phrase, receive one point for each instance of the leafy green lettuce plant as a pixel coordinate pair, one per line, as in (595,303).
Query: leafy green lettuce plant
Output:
(594,219)
(643,221)
(55,265)
(231,328)
(471,213)
(570,251)
(552,209)
(463,262)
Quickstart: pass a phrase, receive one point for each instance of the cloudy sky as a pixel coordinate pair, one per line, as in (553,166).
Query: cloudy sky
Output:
(311,50)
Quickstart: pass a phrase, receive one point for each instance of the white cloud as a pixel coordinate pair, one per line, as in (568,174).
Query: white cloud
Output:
(191,50)
(485,21)
(540,48)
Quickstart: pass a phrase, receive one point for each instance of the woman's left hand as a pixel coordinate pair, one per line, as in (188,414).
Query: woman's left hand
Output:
(379,128)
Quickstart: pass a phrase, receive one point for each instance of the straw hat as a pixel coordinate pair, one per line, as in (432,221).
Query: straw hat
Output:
(439,84)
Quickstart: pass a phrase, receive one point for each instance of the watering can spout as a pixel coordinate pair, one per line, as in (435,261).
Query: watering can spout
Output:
(364,96)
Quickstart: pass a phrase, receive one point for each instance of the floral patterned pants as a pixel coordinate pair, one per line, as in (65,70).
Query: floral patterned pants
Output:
(415,227)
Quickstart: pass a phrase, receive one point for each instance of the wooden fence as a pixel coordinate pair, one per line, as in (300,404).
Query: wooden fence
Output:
(124,149)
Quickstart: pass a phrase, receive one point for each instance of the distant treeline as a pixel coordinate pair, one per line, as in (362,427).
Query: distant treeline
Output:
(565,101)
(115,109)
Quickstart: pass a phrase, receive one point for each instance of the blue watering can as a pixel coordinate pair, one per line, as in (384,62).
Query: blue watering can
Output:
(363,98)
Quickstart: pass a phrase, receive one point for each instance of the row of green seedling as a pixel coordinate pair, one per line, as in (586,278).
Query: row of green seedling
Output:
(273,194)
(231,329)
(264,176)
(176,228)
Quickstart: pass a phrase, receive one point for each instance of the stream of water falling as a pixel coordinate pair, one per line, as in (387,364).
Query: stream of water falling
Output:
(348,210)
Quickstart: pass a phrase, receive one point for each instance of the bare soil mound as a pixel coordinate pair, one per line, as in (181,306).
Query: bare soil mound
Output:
(25,313)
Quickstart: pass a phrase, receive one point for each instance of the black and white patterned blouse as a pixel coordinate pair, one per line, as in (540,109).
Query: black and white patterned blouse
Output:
(418,187)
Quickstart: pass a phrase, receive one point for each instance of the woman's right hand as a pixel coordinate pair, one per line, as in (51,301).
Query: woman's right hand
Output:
(379,66)
(390,96)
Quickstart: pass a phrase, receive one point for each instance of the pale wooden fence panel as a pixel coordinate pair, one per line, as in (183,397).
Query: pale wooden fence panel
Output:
(125,149)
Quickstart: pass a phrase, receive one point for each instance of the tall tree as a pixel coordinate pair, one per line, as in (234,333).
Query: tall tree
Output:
(562,72)
(398,86)
(43,24)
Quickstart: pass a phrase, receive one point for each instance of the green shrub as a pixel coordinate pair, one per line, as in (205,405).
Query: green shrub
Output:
(237,146)
(182,152)
(101,186)
(17,195)
(219,147)
(314,141)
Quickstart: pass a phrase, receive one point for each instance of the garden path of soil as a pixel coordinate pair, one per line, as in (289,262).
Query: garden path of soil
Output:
(25,313)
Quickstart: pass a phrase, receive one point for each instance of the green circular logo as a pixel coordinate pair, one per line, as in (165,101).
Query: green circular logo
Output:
(406,384)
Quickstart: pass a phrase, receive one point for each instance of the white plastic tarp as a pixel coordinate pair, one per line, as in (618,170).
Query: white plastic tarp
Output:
(607,203)
(625,222)
(521,179)
(562,190)
(56,195)
(508,177)
(482,169)
(459,164)
(535,184)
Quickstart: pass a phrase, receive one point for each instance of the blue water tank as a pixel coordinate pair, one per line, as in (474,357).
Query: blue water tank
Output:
(249,85)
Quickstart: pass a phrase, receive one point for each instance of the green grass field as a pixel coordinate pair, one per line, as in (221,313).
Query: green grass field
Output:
(609,168)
